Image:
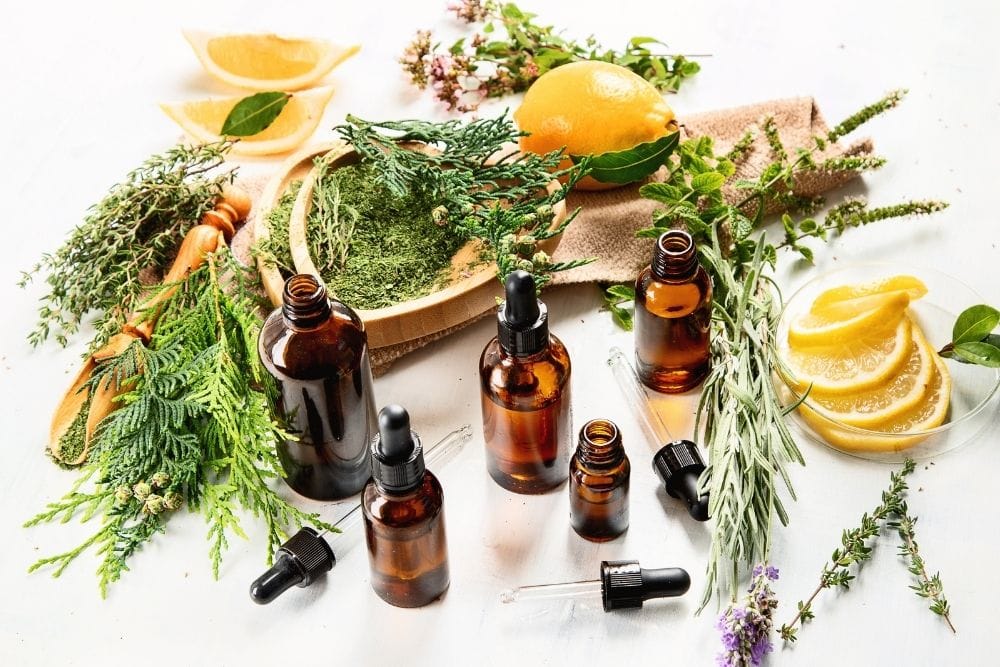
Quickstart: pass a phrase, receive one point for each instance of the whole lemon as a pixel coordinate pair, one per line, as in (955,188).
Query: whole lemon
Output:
(592,107)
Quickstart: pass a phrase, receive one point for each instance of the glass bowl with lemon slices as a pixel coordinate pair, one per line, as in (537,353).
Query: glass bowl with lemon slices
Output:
(858,362)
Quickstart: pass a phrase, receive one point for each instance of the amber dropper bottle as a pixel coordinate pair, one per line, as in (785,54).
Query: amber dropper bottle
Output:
(317,349)
(598,483)
(673,310)
(403,509)
(524,378)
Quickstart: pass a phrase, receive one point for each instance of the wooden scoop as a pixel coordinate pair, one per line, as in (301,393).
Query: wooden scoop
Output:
(216,228)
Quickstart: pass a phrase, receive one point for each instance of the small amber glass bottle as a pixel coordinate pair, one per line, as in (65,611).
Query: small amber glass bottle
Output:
(598,483)
(318,351)
(673,310)
(525,379)
(403,507)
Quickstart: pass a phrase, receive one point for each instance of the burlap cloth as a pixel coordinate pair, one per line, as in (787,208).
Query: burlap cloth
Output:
(605,228)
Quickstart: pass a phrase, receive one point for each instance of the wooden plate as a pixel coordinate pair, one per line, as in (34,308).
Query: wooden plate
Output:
(469,293)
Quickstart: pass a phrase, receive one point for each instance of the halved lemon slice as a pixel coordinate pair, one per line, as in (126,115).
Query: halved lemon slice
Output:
(914,287)
(856,364)
(267,61)
(929,413)
(296,122)
(838,323)
(897,395)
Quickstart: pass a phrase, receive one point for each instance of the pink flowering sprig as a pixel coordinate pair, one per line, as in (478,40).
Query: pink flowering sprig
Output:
(746,630)
(495,63)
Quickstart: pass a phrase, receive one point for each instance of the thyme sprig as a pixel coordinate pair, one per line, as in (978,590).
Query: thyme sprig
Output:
(742,419)
(137,226)
(854,548)
(501,200)
(929,587)
(194,427)
(512,51)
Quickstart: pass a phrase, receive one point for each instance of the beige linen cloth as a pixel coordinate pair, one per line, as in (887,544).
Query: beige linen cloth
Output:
(606,226)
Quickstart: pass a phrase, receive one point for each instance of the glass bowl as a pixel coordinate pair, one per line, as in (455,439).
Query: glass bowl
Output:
(973,387)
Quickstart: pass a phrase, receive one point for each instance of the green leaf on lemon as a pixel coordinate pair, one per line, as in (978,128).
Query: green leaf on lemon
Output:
(254,114)
(632,164)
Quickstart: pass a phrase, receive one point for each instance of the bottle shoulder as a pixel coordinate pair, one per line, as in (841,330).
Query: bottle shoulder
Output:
(543,376)
(337,344)
(673,299)
(408,509)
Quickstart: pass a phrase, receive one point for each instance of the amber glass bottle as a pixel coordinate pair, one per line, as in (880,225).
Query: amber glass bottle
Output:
(673,309)
(525,379)
(318,351)
(598,483)
(403,506)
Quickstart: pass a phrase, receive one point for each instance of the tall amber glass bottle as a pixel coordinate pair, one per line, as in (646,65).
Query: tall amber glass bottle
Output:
(598,483)
(673,310)
(525,380)
(403,507)
(318,351)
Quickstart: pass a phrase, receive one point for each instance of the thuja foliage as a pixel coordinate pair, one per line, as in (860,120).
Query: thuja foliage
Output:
(501,201)
(194,428)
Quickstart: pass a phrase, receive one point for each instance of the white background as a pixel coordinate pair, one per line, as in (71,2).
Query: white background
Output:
(80,86)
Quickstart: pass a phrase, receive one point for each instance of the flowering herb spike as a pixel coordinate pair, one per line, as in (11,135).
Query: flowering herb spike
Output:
(491,64)
(746,631)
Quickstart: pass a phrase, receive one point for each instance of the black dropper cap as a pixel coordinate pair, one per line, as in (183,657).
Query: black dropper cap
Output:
(679,465)
(522,320)
(397,456)
(300,561)
(625,584)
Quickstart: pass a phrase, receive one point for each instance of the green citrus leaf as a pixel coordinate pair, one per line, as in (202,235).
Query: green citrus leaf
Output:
(254,114)
(633,164)
(982,354)
(974,324)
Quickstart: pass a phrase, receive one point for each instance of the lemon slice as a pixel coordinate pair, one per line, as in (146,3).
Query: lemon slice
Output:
(840,322)
(296,122)
(914,287)
(267,61)
(929,413)
(898,394)
(854,365)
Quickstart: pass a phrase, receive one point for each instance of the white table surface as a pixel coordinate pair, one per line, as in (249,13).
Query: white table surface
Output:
(81,82)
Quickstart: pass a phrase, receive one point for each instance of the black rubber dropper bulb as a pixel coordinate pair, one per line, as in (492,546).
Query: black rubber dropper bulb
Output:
(397,456)
(523,321)
(299,562)
(625,584)
(679,465)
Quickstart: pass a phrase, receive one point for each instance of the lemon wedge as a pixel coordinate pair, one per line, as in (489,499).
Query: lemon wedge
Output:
(914,287)
(297,121)
(267,61)
(897,395)
(841,321)
(856,364)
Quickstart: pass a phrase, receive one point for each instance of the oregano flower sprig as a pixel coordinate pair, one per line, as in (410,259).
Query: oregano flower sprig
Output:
(511,51)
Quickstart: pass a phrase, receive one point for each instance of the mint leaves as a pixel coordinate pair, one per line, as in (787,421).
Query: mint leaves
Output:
(254,114)
(972,339)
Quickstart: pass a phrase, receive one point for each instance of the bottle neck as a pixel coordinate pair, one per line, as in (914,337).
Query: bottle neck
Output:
(600,445)
(674,257)
(304,302)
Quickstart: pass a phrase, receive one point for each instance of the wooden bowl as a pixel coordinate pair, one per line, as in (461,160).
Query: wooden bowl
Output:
(468,294)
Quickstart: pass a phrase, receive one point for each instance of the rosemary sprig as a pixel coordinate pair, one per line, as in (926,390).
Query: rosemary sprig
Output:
(194,427)
(743,426)
(929,587)
(137,226)
(854,549)
(331,222)
(502,201)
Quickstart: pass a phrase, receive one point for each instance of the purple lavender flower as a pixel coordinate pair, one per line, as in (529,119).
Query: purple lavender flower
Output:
(745,630)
